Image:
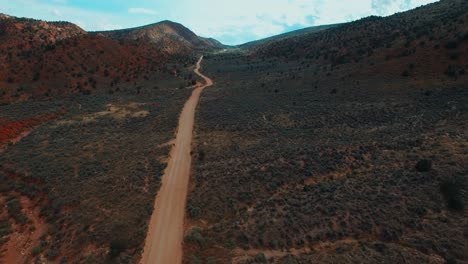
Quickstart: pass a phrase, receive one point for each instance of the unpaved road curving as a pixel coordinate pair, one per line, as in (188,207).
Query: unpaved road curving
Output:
(163,243)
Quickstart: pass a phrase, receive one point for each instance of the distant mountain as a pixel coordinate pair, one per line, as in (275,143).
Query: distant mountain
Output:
(167,35)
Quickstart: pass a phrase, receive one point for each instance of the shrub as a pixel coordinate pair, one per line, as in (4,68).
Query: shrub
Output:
(14,207)
(451,71)
(195,260)
(424,165)
(290,260)
(36,250)
(52,253)
(116,247)
(193,211)
(229,244)
(36,76)
(454,56)
(451,190)
(260,258)
(451,45)
(450,260)
(195,236)
(5,231)
(201,155)
(210,260)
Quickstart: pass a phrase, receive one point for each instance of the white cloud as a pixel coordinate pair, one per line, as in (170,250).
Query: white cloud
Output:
(104,24)
(140,10)
(56,13)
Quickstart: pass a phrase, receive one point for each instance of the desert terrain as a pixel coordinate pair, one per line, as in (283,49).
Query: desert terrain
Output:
(343,143)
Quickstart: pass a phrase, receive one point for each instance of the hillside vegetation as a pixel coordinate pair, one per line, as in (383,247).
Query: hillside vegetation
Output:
(346,145)
(45,60)
(84,122)
(169,36)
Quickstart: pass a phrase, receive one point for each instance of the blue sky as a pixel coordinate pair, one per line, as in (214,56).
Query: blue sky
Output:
(230,21)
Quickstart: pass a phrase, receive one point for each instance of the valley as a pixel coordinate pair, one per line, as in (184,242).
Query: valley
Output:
(341,143)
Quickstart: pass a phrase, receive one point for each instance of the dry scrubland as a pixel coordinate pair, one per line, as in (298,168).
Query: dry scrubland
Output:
(308,169)
(83,123)
(90,172)
(306,156)
(343,144)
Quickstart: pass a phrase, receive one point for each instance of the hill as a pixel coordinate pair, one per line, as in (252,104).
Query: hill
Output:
(426,41)
(41,60)
(346,145)
(295,33)
(169,36)
(63,90)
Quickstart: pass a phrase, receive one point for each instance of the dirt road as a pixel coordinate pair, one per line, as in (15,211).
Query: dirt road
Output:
(165,234)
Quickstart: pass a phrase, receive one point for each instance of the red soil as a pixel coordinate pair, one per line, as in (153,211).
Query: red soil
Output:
(20,243)
(13,131)
(40,60)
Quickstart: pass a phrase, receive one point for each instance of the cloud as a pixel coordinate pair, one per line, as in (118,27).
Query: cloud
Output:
(233,23)
(388,7)
(140,10)
(104,24)
(382,6)
(56,13)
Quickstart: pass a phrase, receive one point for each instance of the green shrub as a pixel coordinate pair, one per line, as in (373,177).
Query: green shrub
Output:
(201,155)
(424,165)
(14,207)
(451,45)
(195,236)
(260,258)
(193,211)
(451,190)
(5,231)
(36,250)
(116,247)
(210,260)
(195,260)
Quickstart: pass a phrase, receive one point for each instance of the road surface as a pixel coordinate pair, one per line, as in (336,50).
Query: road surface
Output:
(163,243)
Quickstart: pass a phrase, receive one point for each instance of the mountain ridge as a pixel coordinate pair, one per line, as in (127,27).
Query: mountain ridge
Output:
(164,33)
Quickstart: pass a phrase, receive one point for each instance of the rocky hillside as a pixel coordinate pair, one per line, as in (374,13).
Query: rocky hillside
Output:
(171,37)
(296,33)
(328,137)
(42,60)
(36,31)
(427,41)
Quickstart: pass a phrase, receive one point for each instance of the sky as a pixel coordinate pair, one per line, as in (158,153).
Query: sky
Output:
(229,21)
